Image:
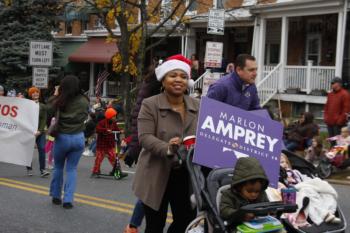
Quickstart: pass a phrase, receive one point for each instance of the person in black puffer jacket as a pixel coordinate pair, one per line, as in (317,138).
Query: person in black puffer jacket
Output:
(149,87)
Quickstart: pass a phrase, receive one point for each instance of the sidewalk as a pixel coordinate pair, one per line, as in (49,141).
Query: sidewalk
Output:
(340,177)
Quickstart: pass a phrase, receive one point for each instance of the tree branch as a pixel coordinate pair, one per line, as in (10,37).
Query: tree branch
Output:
(170,16)
(172,30)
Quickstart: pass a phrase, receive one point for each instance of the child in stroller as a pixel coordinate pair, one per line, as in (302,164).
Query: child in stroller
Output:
(249,182)
(207,192)
(337,156)
(317,200)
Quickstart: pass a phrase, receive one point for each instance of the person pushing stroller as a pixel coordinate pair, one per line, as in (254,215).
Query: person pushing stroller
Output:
(106,143)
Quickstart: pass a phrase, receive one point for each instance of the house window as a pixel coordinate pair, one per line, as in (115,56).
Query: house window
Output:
(166,8)
(193,6)
(69,27)
(219,4)
(313,48)
(84,25)
(272,56)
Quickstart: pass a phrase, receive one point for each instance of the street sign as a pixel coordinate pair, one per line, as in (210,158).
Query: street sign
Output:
(40,77)
(213,54)
(216,22)
(40,53)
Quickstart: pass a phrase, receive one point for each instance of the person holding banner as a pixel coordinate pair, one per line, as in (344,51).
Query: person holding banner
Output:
(238,88)
(164,120)
(72,107)
(2,91)
(34,94)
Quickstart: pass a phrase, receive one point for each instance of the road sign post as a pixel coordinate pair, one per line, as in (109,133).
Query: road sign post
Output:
(216,22)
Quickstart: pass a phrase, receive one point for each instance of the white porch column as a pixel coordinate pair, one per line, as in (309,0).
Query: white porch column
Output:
(91,79)
(104,90)
(261,49)
(283,51)
(308,76)
(190,43)
(255,37)
(183,45)
(339,54)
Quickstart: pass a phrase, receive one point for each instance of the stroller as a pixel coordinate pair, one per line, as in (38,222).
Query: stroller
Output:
(334,159)
(207,195)
(302,165)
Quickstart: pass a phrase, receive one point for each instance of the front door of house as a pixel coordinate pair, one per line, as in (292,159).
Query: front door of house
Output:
(313,48)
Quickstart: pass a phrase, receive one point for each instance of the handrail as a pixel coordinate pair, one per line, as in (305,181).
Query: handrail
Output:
(197,82)
(268,76)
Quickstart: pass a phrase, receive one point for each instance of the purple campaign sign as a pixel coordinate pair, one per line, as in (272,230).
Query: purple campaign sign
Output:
(226,133)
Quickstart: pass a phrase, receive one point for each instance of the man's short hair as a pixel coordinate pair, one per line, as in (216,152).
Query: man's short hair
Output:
(241,60)
(336,80)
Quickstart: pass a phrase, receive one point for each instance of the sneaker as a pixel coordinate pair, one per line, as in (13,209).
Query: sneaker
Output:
(129,229)
(29,172)
(44,173)
(56,201)
(67,205)
(88,153)
(50,167)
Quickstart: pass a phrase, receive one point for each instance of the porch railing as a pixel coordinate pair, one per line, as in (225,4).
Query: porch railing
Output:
(308,78)
(268,86)
(305,78)
(268,69)
(199,82)
(321,77)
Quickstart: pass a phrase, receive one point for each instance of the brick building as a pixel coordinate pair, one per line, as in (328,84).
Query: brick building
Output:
(300,45)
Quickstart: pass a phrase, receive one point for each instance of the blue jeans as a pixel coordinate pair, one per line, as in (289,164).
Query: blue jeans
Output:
(138,214)
(40,144)
(67,149)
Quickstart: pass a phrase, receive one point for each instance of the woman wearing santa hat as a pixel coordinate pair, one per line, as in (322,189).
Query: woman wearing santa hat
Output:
(164,120)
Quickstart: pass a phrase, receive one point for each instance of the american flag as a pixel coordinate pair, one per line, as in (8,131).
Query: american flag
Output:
(101,77)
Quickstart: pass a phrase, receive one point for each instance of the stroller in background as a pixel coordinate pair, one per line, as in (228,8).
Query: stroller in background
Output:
(207,198)
(329,163)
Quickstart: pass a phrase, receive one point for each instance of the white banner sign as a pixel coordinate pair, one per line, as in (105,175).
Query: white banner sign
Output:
(213,54)
(40,53)
(209,79)
(40,77)
(216,22)
(18,123)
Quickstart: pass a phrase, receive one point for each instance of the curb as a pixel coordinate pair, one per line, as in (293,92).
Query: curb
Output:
(343,182)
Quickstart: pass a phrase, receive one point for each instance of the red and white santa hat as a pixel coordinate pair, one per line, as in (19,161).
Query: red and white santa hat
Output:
(176,62)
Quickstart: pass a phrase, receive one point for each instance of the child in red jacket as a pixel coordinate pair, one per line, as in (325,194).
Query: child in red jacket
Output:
(106,141)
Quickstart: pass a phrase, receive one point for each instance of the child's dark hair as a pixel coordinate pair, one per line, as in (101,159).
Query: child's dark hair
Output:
(239,186)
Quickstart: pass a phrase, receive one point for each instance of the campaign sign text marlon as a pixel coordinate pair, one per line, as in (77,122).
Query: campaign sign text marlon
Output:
(226,133)
(18,125)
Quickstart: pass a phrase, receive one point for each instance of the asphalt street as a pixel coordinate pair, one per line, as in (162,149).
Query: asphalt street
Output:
(101,205)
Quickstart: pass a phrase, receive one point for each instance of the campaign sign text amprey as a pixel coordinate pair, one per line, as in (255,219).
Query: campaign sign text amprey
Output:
(226,133)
